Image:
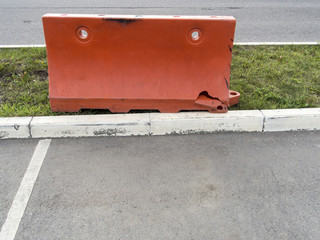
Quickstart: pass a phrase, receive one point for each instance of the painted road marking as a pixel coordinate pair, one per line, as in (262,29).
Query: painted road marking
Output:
(19,204)
(275,43)
(236,43)
(22,46)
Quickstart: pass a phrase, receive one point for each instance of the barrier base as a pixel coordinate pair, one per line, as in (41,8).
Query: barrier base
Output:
(125,105)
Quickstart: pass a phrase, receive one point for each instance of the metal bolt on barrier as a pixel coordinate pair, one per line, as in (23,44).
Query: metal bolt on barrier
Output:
(121,63)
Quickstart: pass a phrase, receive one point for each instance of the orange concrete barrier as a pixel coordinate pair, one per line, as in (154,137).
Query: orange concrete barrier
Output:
(120,63)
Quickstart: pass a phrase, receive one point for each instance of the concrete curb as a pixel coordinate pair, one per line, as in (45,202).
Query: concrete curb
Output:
(160,123)
(291,119)
(15,127)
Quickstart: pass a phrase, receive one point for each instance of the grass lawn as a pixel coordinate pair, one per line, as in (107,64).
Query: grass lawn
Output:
(267,77)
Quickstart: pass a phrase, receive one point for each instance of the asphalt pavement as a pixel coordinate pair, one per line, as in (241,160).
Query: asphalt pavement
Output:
(227,186)
(214,186)
(257,20)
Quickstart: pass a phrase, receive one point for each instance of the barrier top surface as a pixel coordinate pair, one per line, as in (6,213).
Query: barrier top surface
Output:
(65,15)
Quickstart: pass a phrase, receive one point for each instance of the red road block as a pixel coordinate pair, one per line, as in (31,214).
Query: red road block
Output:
(168,63)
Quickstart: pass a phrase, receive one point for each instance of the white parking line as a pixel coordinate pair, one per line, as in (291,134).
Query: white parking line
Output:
(236,43)
(19,204)
(23,46)
(275,43)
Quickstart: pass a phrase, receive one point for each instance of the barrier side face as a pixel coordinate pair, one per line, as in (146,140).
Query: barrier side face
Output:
(138,58)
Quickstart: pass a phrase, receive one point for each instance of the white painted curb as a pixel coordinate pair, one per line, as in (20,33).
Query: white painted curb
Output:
(15,127)
(291,119)
(160,123)
(90,125)
(205,122)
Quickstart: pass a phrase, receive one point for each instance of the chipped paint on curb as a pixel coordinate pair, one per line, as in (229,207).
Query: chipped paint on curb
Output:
(160,123)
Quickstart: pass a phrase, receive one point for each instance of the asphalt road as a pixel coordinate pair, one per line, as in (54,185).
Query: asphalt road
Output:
(257,20)
(218,186)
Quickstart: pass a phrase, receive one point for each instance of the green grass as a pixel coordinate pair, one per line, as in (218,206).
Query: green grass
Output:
(267,77)
(270,77)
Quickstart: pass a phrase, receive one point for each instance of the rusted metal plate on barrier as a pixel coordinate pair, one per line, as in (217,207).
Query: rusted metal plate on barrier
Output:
(168,63)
